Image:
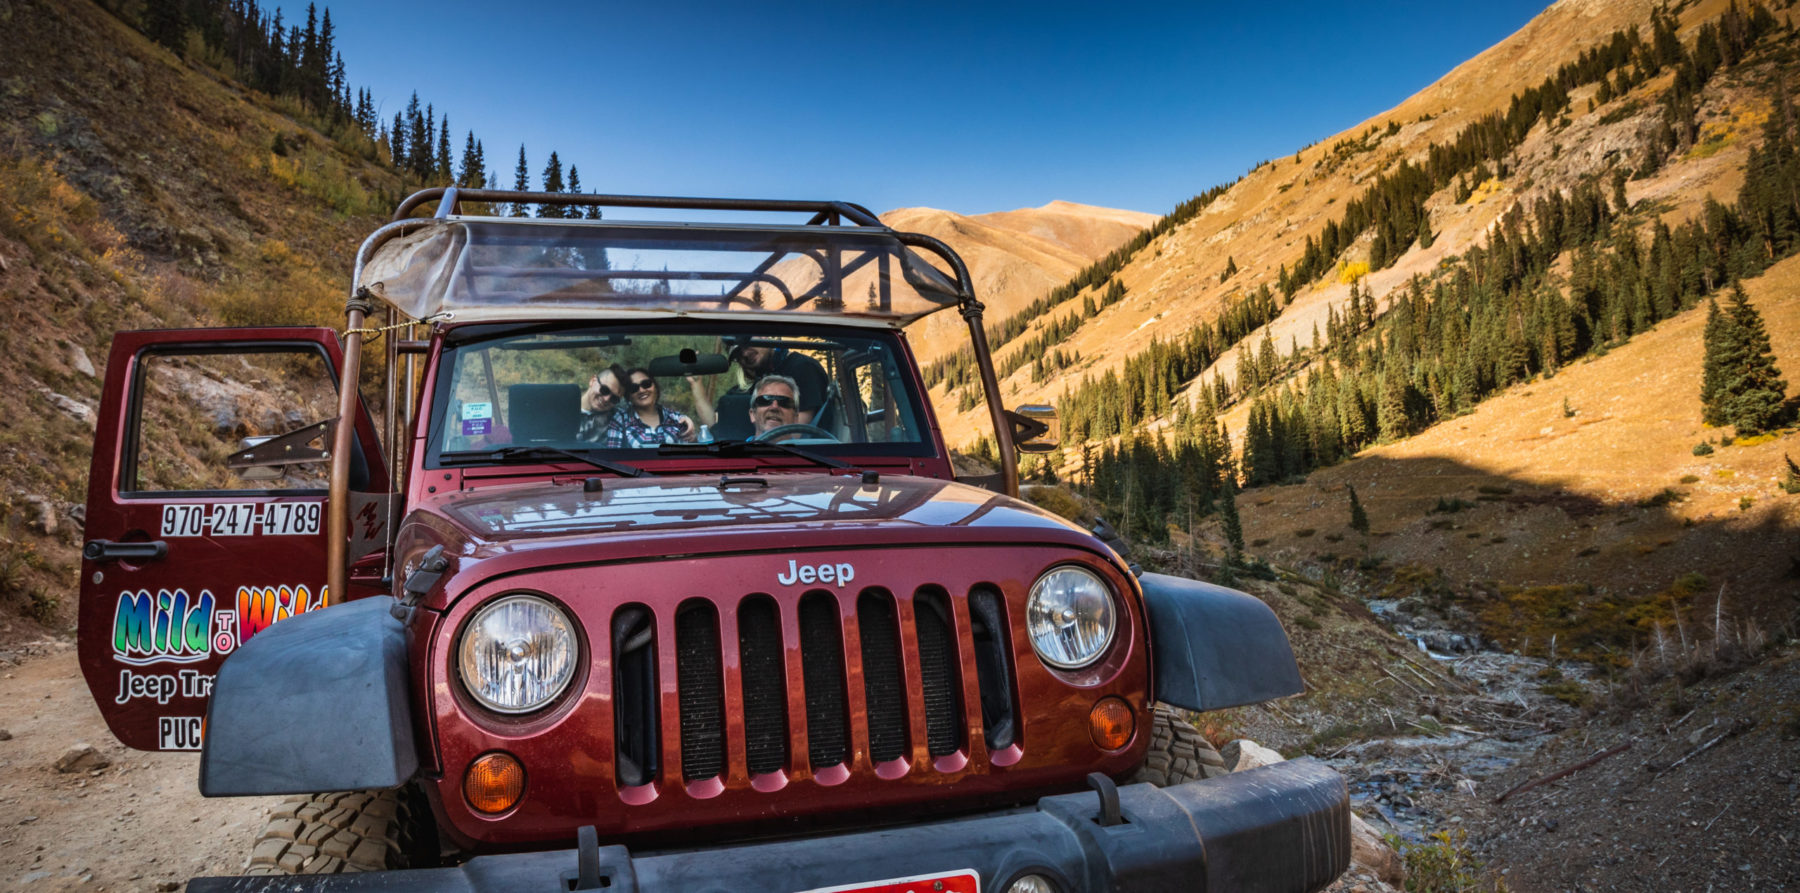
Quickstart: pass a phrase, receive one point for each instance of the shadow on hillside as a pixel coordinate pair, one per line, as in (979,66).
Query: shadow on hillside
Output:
(1502,532)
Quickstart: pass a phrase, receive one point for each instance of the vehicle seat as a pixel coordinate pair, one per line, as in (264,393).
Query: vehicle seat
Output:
(543,413)
(734,417)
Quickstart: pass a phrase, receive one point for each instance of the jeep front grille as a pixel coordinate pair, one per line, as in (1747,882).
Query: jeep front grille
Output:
(765,694)
(822,662)
(903,643)
(884,690)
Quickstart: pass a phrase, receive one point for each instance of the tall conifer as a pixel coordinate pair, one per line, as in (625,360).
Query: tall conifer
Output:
(1752,392)
(553,182)
(521,183)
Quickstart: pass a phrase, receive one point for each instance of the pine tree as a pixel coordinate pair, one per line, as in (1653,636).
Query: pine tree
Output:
(1752,392)
(553,182)
(473,171)
(1231,525)
(165,21)
(521,183)
(1712,366)
(442,166)
(1359,520)
(1426,236)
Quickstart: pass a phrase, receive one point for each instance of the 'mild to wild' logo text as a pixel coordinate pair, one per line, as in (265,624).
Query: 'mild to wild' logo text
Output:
(175,627)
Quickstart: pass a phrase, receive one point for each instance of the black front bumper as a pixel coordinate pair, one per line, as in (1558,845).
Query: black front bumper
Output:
(1284,827)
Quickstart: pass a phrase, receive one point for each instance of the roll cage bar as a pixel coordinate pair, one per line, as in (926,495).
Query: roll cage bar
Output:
(449,201)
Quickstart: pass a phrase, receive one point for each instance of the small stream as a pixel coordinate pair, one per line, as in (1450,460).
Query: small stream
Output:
(1411,782)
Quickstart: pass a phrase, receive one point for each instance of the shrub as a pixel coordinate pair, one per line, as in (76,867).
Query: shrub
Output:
(1442,863)
(1703,449)
(1690,479)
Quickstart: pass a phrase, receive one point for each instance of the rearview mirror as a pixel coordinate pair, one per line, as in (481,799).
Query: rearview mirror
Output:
(689,362)
(1035,428)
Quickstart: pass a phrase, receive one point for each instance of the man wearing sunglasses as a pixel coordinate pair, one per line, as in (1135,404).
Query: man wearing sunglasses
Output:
(763,362)
(774,404)
(600,401)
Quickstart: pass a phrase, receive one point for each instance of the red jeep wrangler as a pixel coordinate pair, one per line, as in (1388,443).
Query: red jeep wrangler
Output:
(656,576)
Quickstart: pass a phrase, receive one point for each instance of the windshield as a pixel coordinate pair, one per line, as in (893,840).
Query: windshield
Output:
(631,392)
(481,268)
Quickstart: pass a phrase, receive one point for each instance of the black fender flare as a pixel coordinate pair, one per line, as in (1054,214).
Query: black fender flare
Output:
(1214,647)
(318,702)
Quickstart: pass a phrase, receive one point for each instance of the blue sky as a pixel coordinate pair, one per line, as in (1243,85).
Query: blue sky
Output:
(963,106)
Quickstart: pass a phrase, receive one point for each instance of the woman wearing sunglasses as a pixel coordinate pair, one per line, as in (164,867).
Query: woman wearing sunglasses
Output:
(600,402)
(643,422)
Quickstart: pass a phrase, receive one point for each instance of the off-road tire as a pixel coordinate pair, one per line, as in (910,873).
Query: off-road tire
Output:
(1178,752)
(341,832)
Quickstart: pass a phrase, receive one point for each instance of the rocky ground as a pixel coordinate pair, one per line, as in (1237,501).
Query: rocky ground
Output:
(103,818)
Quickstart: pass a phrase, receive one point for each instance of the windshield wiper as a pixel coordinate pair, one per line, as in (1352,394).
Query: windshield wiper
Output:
(748,448)
(510,453)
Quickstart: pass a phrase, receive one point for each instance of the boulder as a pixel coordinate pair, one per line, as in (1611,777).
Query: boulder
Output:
(41,515)
(1369,851)
(1246,754)
(82,757)
(75,409)
(78,361)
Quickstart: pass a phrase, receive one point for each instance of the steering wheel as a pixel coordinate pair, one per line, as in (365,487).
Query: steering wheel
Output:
(797,430)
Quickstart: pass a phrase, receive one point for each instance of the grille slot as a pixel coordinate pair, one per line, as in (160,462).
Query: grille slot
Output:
(702,689)
(884,686)
(637,739)
(938,678)
(822,666)
(993,673)
(765,684)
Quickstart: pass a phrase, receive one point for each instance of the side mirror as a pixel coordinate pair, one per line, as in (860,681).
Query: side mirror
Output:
(258,472)
(267,458)
(1035,428)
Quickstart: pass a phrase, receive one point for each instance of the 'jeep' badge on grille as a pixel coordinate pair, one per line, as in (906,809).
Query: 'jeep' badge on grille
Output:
(835,574)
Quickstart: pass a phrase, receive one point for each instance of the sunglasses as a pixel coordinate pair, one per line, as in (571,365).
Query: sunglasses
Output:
(607,392)
(773,400)
(642,384)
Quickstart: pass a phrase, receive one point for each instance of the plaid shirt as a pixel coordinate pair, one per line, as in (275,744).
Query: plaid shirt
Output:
(628,431)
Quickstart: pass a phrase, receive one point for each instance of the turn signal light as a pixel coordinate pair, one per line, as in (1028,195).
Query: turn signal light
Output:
(494,782)
(1111,723)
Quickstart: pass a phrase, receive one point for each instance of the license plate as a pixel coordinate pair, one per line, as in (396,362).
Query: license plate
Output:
(965,881)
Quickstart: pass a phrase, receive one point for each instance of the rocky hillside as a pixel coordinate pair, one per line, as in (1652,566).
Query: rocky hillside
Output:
(138,190)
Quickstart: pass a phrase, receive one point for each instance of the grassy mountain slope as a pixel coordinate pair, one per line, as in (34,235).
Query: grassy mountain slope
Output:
(1015,256)
(1636,407)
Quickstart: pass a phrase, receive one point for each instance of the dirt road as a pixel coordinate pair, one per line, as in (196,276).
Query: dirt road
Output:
(138,824)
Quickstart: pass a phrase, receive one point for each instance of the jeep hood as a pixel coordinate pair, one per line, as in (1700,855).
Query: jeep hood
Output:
(513,526)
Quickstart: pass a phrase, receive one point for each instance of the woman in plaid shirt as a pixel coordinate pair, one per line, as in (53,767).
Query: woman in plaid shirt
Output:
(644,423)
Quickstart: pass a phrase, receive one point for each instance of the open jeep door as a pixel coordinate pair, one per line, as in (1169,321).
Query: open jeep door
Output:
(206,513)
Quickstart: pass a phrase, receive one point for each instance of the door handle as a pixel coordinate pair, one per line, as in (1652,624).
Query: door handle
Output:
(107,550)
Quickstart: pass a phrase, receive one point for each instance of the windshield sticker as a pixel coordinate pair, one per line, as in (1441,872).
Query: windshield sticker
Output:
(242,519)
(477,418)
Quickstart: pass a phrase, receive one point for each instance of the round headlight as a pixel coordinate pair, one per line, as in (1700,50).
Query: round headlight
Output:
(517,654)
(1070,617)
